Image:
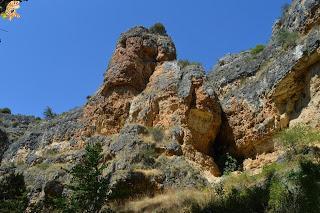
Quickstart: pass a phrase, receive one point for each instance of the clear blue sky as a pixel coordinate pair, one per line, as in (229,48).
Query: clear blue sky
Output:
(56,54)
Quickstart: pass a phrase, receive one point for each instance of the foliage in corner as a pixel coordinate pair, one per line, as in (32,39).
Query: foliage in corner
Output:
(13,196)
(8,8)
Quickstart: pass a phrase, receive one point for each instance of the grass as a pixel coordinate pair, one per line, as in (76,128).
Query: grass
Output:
(169,201)
(297,137)
(258,49)
(184,63)
(287,38)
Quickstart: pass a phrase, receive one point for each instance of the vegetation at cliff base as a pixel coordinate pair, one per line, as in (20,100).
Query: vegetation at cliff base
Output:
(13,196)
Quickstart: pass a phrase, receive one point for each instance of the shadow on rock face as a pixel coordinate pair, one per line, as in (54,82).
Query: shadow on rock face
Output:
(3,143)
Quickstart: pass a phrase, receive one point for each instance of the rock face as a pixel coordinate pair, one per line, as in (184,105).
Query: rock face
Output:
(176,101)
(163,126)
(261,93)
(144,85)
(137,54)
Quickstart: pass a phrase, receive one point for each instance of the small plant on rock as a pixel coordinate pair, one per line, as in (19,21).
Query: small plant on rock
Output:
(258,49)
(49,114)
(287,39)
(184,63)
(5,111)
(228,163)
(158,28)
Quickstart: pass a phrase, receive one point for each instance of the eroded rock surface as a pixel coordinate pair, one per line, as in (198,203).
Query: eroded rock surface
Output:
(159,124)
(176,101)
(261,93)
(137,54)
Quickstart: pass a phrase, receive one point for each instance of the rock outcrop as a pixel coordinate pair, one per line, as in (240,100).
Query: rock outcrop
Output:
(144,85)
(176,101)
(261,93)
(163,126)
(137,54)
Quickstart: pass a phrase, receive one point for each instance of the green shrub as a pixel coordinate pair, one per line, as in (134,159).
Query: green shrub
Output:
(158,28)
(259,48)
(227,163)
(287,39)
(278,196)
(49,114)
(13,196)
(184,63)
(5,111)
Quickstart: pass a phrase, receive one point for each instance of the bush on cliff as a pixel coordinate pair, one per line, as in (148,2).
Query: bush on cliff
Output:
(49,114)
(228,163)
(286,38)
(158,28)
(258,49)
(5,111)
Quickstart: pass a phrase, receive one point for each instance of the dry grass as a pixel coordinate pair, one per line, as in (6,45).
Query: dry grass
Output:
(170,201)
(149,172)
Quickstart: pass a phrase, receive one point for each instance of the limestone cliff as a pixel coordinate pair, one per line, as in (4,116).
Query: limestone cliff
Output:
(262,93)
(163,126)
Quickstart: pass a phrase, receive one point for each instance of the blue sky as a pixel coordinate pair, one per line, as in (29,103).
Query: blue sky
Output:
(56,54)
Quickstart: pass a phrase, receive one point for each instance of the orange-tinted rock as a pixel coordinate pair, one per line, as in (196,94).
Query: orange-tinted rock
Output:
(177,98)
(133,62)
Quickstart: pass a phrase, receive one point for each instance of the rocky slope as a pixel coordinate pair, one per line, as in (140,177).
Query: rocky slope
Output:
(163,126)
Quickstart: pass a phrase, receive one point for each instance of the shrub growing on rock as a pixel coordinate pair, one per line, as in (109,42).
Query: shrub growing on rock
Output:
(48,113)
(158,28)
(286,38)
(228,163)
(185,63)
(5,111)
(259,48)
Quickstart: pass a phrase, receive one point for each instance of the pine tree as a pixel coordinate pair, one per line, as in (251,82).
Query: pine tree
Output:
(89,187)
